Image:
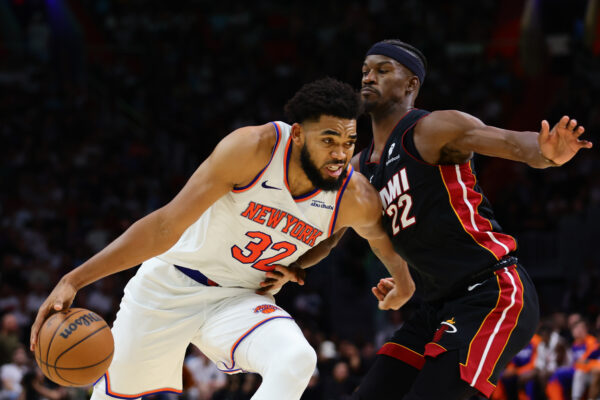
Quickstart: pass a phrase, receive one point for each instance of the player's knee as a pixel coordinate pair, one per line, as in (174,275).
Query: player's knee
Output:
(297,362)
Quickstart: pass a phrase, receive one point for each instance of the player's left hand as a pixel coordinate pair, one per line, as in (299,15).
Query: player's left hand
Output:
(562,142)
(389,295)
(280,276)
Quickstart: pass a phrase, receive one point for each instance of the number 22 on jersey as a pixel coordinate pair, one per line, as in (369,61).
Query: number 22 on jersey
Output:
(397,202)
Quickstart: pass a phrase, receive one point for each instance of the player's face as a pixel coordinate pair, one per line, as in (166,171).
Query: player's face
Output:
(384,81)
(328,148)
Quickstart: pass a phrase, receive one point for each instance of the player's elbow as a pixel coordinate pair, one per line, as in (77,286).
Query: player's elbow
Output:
(163,231)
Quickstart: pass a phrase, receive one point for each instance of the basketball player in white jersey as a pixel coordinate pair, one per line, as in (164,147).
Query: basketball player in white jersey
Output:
(265,196)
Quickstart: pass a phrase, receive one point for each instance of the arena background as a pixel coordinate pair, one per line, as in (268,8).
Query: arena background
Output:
(108,106)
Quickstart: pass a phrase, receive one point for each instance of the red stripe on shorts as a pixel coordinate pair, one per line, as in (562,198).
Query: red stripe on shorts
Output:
(489,342)
(404,354)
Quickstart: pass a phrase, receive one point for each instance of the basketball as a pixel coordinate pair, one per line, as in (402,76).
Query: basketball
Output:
(75,347)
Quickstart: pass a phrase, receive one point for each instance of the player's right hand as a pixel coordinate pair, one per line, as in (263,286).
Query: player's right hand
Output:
(389,295)
(274,280)
(59,299)
(384,286)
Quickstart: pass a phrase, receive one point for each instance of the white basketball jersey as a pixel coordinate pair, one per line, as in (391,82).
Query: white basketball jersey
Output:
(253,228)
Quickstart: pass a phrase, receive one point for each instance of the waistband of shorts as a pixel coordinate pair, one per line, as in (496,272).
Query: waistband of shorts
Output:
(461,288)
(490,271)
(197,276)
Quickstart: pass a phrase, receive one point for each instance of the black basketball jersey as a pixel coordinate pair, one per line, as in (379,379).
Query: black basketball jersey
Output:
(436,215)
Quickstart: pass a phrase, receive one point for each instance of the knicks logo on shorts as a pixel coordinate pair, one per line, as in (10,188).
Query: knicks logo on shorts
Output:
(446,326)
(266,309)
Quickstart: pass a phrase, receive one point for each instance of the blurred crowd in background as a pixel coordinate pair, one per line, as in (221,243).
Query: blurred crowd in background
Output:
(107,106)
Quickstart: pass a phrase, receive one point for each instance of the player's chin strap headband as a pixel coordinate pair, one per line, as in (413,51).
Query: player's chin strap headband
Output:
(402,56)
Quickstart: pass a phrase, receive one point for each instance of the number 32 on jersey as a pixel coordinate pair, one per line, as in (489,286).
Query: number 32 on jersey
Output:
(397,203)
(261,242)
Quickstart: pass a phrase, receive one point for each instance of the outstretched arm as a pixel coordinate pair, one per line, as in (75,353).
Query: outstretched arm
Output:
(450,136)
(159,231)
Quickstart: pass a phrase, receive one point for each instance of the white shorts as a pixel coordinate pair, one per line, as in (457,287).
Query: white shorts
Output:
(162,312)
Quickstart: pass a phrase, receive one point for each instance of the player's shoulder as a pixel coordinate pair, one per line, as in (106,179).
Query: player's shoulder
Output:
(444,119)
(255,141)
(257,136)
(361,198)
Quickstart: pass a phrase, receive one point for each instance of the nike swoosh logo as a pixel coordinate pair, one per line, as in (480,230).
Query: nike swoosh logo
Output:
(474,286)
(264,184)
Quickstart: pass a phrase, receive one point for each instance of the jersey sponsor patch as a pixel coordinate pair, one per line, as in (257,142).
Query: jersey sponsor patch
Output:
(391,150)
(266,309)
(321,204)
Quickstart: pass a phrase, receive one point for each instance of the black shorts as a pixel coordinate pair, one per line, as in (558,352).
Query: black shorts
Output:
(488,323)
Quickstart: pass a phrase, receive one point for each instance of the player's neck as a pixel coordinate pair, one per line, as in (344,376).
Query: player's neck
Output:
(383,122)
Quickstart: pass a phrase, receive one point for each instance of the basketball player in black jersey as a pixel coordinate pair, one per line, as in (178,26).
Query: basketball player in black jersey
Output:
(480,306)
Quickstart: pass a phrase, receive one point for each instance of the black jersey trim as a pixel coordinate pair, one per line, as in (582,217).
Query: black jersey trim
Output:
(387,141)
(416,157)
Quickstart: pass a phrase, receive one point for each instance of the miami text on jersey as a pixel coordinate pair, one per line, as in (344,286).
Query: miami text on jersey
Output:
(273,217)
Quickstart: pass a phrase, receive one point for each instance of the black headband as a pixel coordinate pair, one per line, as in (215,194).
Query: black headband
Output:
(402,56)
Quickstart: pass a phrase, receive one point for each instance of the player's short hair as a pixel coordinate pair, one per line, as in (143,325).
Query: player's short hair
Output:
(409,48)
(325,96)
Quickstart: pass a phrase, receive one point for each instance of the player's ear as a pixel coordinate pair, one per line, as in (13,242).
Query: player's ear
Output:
(413,85)
(297,134)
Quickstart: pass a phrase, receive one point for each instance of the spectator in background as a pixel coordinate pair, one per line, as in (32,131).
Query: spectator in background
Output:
(351,355)
(238,387)
(314,390)
(341,384)
(394,321)
(12,373)
(569,382)
(9,337)
(327,356)
(592,367)
(551,353)
(207,379)
(584,346)
(35,389)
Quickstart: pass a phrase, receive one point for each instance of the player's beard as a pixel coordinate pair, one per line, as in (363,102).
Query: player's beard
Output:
(368,105)
(315,176)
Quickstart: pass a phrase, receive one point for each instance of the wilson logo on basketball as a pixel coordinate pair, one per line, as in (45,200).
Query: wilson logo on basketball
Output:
(266,309)
(85,320)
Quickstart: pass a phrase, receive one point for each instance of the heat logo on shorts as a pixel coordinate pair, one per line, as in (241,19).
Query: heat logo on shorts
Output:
(266,309)
(446,326)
